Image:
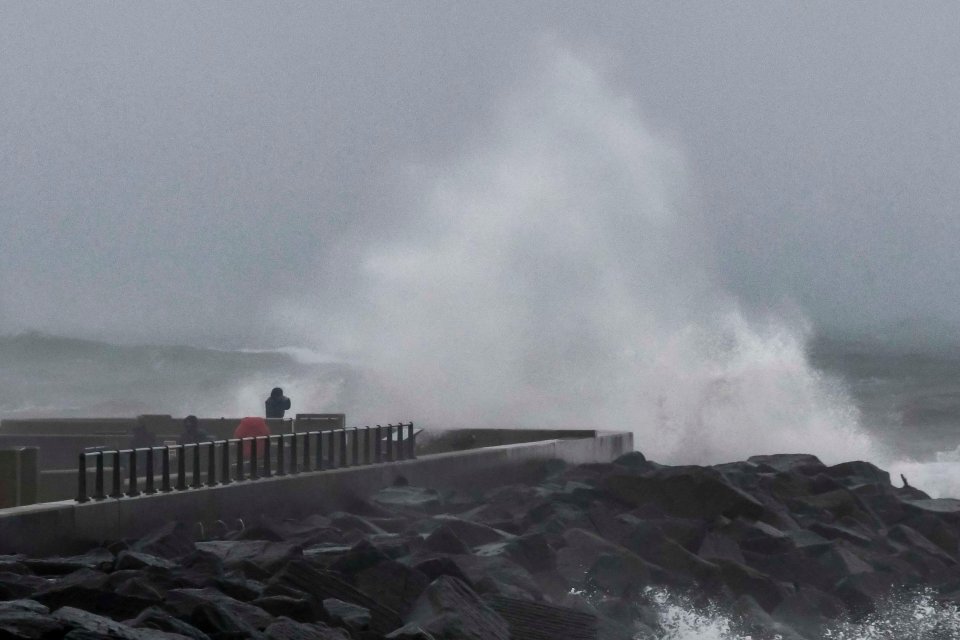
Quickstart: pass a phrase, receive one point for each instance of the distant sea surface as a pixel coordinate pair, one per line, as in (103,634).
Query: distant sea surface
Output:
(909,399)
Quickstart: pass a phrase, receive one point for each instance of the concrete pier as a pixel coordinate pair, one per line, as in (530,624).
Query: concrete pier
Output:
(65,527)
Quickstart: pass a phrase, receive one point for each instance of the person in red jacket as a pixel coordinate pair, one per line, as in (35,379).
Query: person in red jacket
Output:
(252,427)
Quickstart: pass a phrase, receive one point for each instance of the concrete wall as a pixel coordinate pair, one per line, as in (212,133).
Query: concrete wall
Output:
(67,527)
(19,476)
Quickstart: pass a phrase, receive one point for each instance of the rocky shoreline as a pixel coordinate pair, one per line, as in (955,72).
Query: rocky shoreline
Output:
(785,544)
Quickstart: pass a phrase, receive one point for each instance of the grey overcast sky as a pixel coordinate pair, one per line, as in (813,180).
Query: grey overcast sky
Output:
(177,172)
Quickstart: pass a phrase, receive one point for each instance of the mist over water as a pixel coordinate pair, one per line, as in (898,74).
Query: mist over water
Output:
(557,277)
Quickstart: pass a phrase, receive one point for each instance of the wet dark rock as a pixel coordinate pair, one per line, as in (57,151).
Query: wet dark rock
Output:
(840,532)
(285,629)
(433,568)
(351,522)
(18,585)
(911,538)
(539,621)
(99,559)
(412,631)
(265,554)
(745,581)
(27,619)
(138,560)
(221,622)
(141,587)
(299,609)
(158,619)
(756,622)
(862,592)
(448,608)
(938,532)
(87,589)
(499,575)
(346,614)
(197,569)
(632,460)
(473,534)
(444,540)
(361,556)
(88,625)
(171,541)
(809,611)
(393,584)
(184,602)
(407,498)
(802,463)
(691,492)
(320,585)
(858,472)
(947,509)
(716,546)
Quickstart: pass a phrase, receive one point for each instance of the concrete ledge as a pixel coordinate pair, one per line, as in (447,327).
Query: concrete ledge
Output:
(67,527)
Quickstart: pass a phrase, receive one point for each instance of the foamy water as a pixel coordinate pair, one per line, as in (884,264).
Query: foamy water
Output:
(908,616)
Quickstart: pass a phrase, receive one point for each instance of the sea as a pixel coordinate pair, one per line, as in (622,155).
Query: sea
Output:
(906,400)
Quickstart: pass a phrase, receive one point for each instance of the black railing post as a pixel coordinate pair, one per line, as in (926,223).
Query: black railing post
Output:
(181,467)
(343,448)
(332,450)
(366,444)
(197,477)
(133,490)
(389,443)
(378,445)
(281,463)
(318,465)
(356,447)
(98,480)
(225,463)
(165,470)
(212,464)
(267,471)
(151,488)
(294,458)
(254,471)
(82,479)
(240,459)
(401,444)
(306,451)
(117,488)
(412,442)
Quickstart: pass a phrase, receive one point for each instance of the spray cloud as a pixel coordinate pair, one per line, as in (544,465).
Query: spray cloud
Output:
(556,278)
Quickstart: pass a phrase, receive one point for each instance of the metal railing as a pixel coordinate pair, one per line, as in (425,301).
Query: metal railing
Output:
(222,462)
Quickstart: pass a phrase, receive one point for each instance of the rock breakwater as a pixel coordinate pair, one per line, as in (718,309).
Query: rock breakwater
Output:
(784,544)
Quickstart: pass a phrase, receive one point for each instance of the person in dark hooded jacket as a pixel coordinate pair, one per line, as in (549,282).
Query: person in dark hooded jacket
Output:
(277,403)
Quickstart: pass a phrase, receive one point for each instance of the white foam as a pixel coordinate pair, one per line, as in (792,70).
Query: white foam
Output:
(555,276)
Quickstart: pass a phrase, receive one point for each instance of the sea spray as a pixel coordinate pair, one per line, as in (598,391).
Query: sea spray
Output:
(912,614)
(556,275)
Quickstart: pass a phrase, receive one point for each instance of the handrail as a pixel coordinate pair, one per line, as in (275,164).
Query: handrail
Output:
(355,446)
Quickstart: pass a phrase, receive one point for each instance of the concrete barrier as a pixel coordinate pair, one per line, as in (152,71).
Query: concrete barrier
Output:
(67,527)
(19,476)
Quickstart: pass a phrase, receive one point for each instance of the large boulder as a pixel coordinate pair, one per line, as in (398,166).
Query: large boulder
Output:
(173,540)
(687,492)
(89,625)
(448,608)
(286,629)
(263,553)
(27,619)
(184,602)
(98,559)
(158,619)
